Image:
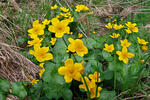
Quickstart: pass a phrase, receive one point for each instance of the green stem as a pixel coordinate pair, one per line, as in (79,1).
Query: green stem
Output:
(88,92)
(75,58)
(115,79)
(97,84)
(65,41)
(97,80)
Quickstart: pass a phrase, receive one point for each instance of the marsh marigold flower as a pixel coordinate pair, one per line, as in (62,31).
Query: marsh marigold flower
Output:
(131,27)
(95,77)
(71,71)
(90,13)
(34,81)
(42,70)
(90,84)
(109,26)
(118,27)
(94,32)
(142,61)
(54,7)
(80,35)
(81,8)
(124,55)
(114,35)
(109,48)
(70,19)
(46,22)
(77,46)
(141,41)
(59,27)
(65,14)
(144,47)
(114,21)
(41,53)
(93,92)
(36,41)
(64,9)
(38,29)
(125,43)
(53,41)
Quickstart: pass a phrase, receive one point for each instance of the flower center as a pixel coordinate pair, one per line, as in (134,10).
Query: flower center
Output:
(124,55)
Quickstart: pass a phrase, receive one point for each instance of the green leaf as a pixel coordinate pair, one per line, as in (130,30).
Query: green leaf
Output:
(99,42)
(19,90)
(2,96)
(115,65)
(52,90)
(49,67)
(107,56)
(60,47)
(88,67)
(4,85)
(107,75)
(107,95)
(67,94)
(51,74)
(90,43)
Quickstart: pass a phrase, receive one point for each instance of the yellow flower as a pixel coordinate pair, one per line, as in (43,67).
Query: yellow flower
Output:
(142,61)
(90,13)
(125,43)
(121,19)
(46,22)
(95,77)
(41,65)
(114,20)
(70,33)
(91,84)
(128,30)
(65,14)
(67,51)
(71,71)
(81,8)
(109,48)
(53,41)
(42,70)
(41,54)
(59,27)
(77,46)
(144,47)
(118,27)
(34,81)
(110,17)
(80,35)
(109,26)
(64,9)
(93,92)
(58,16)
(141,41)
(94,32)
(132,27)
(36,41)
(54,7)
(114,35)
(124,55)
(70,19)
(38,29)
